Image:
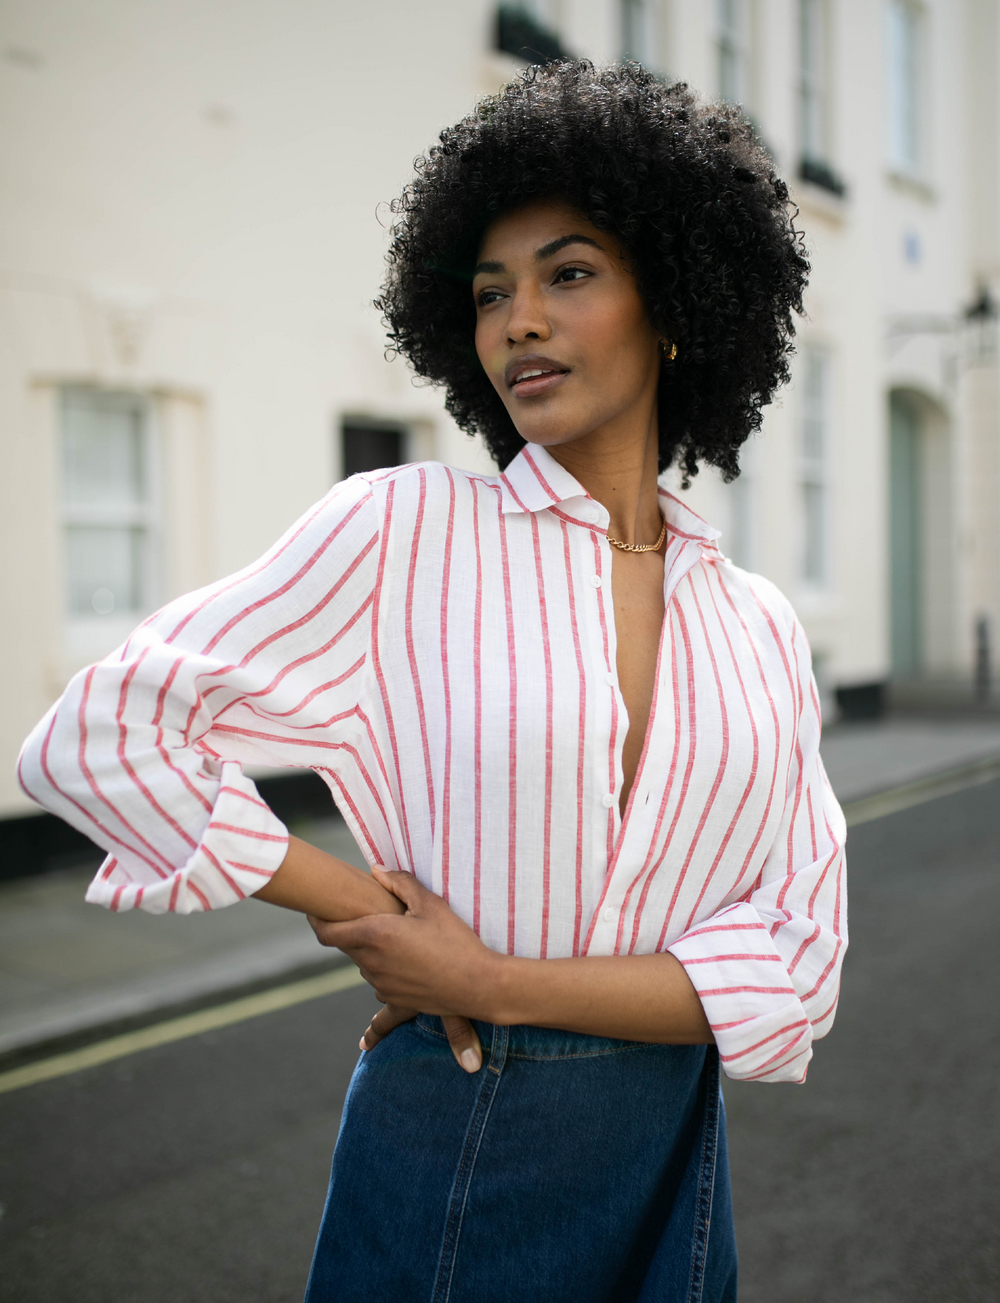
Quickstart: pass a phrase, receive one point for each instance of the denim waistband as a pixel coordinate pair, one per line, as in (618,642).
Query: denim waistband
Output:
(524,1042)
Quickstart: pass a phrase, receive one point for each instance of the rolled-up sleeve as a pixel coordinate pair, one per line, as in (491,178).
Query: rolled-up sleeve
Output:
(767,967)
(144,752)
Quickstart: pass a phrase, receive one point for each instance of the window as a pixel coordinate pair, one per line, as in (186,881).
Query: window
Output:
(903,44)
(108,505)
(527,30)
(732,50)
(371,445)
(814,438)
(812,80)
(638,35)
(814,137)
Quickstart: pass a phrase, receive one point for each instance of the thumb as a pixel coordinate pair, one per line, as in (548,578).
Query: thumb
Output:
(464,1042)
(403,886)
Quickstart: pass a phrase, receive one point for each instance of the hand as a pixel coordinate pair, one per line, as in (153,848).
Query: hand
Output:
(461,1034)
(427,960)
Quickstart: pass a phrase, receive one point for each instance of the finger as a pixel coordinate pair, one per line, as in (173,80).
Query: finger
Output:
(319,926)
(352,934)
(464,1042)
(404,886)
(392,1016)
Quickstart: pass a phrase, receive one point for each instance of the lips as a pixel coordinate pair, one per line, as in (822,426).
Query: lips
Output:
(533,373)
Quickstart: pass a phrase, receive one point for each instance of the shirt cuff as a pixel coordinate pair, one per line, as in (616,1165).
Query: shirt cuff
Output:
(760,1026)
(240,849)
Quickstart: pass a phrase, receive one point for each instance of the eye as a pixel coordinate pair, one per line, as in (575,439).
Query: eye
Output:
(569,274)
(485,297)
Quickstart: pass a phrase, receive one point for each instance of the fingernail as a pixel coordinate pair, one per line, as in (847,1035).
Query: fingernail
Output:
(470,1060)
(361,1044)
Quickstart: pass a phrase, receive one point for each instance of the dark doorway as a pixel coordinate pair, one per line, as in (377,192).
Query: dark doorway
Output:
(371,445)
(906,536)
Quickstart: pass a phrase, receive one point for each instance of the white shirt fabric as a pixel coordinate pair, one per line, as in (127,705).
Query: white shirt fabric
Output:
(441,648)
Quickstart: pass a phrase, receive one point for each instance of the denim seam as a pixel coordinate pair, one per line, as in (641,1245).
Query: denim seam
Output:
(466,1167)
(554,1058)
(706,1180)
(587,1054)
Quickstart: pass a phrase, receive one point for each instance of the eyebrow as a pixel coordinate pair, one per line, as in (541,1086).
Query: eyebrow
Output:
(546,251)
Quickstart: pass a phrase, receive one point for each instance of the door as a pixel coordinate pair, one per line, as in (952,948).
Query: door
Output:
(906,537)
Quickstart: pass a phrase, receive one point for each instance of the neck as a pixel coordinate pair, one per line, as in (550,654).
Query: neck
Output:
(619,473)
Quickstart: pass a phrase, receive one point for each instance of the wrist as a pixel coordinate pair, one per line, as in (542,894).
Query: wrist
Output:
(503,988)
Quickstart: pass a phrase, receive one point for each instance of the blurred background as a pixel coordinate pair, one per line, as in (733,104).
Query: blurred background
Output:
(193,222)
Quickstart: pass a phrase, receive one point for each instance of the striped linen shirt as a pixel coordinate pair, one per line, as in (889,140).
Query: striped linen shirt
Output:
(440,647)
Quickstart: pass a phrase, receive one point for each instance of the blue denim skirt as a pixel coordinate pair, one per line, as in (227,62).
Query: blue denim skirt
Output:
(569,1168)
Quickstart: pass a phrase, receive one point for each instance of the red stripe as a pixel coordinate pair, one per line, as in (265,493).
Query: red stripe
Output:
(547,815)
(690,736)
(540,477)
(244,576)
(719,959)
(127,765)
(249,832)
(411,654)
(362,826)
(740,990)
(289,584)
(84,767)
(380,676)
(790,1027)
(162,749)
(511,743)
(581,745)
(449,539)
(613,737)
(636,783)
(477,747)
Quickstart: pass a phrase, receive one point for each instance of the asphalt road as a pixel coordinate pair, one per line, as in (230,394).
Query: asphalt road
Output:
(195,1172)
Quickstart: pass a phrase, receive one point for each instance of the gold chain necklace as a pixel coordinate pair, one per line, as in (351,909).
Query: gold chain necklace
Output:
(645,547)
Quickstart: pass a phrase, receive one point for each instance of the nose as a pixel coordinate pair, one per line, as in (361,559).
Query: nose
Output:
(527,318)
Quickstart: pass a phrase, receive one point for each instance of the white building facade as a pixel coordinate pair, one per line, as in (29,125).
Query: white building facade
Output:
(193,230)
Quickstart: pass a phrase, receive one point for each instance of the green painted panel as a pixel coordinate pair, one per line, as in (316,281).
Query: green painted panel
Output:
(905,538)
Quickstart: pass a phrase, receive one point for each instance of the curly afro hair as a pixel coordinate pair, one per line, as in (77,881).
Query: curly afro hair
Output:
(685,187)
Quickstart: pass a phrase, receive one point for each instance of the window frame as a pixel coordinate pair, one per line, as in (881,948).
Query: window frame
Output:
(732,40)
(89,636)
(813,468)
(910,162)
(638,32)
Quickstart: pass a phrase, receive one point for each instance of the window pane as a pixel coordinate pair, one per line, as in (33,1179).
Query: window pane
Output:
(103,451)
(814,558)
(637,35)
(103,569)
(902,41)
(813,108)
(371,448)
(730,50)
(813,407)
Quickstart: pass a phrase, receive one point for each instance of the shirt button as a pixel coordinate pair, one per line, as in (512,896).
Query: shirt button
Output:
(608,800)
(595,580)
(593,517)
(609,914)
(609,679)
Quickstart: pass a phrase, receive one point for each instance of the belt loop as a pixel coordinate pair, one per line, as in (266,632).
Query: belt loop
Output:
(498,1049)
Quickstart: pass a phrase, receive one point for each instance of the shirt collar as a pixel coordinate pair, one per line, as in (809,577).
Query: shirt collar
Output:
(534,480)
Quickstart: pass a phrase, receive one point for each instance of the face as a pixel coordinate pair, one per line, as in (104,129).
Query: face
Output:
(561,329)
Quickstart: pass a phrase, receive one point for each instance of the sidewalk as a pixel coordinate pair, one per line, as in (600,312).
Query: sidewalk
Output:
(67,968)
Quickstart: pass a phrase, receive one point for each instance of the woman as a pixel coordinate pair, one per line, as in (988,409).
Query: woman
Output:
(582,744)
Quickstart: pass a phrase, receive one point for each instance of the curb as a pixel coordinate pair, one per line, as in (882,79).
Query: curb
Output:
(893,799)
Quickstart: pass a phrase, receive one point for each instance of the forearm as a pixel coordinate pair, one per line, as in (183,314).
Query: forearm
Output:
(631,997)
(313,882)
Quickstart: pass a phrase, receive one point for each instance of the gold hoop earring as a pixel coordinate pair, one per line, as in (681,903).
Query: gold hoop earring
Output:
(669,353)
